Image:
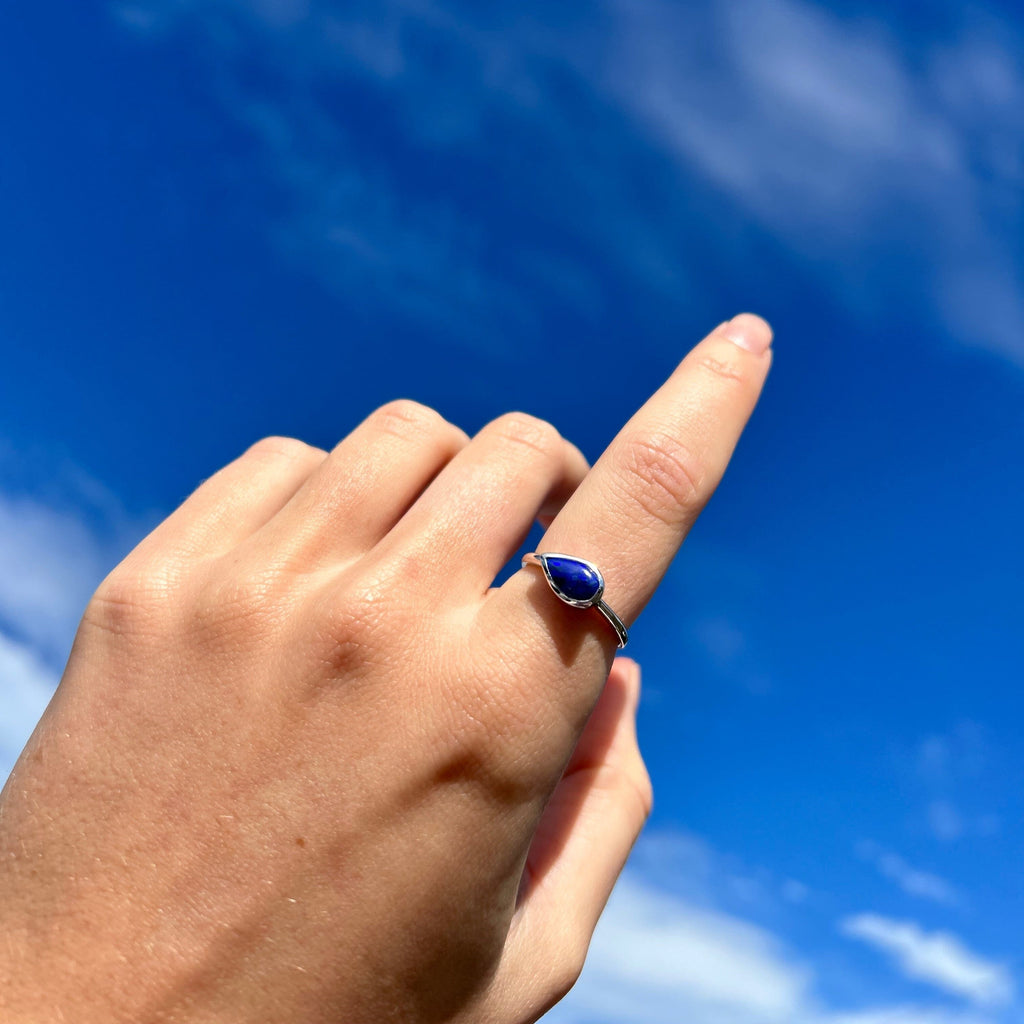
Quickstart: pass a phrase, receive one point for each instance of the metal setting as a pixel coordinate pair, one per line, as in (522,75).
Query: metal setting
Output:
(595,601)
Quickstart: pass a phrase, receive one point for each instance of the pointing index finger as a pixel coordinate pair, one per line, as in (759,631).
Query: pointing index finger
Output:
(635,507)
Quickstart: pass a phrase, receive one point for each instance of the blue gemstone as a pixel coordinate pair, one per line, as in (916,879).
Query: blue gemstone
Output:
(573,578)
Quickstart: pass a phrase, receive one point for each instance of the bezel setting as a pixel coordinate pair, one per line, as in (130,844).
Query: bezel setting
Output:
(559,593)
(589,573)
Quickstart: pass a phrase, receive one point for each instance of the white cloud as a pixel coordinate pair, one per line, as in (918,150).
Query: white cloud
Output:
(945,821)
(61,531)
(54,550)
(349,220)
(726,647)
(659,958)
(672,947)
(958,772)
(912,881)
(26,684)
(50,562)
(962,754)
(938,958)
(815,124)
(823,129)
(904,1015)
(686,865)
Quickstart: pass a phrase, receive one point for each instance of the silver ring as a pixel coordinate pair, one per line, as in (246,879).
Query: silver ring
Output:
(579,583)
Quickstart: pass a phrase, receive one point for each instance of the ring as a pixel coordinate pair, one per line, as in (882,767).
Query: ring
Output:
(579,583)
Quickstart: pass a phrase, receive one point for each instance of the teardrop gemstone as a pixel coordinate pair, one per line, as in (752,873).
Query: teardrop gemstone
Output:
(572,578)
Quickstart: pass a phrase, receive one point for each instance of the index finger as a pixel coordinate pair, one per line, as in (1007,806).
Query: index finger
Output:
(633,510)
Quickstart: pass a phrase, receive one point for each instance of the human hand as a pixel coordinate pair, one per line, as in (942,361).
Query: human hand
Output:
(306,764)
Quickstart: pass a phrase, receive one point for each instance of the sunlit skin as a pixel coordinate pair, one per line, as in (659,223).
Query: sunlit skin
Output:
(306,764)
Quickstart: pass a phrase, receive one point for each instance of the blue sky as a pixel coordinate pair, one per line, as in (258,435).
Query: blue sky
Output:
(226,218)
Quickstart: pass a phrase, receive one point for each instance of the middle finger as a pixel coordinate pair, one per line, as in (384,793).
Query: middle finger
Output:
(480,507)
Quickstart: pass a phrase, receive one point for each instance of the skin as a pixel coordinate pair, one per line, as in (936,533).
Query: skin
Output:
(306,764)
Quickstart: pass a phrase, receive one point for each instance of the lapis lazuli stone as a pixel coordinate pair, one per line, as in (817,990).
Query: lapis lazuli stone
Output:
(573,578)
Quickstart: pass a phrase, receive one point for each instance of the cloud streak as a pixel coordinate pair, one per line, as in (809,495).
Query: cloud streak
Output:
(27,686)
(813,125)
(55,548)
(662,958)
(939,958)
(822,129)
(914,882)
(658,958)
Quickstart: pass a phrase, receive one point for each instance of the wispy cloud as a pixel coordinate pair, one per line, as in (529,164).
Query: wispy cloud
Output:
(820,125)
(26,684)
(939,958)
(657,958)
(905,1015)
(726,647)
(55,547)
(685,864)
(914,882)
(50,561)
(962,754)
(817,126)
(677,944)
(662,958)
(357,214)
(945,820)
(955,769)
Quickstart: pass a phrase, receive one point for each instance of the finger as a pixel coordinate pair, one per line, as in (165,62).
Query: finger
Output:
(480,508)
(237,500)
(364,486)
(585,835)
(636,506)
(606,780)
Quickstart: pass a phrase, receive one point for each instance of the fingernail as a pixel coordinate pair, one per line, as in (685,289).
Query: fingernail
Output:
(749,332)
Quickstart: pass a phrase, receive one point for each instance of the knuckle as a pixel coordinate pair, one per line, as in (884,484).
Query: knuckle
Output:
(664,476)
(132,600)
(288,449)
(406,418)
(522,429)
(730,370)
(411,421)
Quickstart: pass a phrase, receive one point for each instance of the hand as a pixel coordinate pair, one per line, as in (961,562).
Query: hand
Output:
(306,765)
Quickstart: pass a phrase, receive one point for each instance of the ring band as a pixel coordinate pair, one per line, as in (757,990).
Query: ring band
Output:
(578,583)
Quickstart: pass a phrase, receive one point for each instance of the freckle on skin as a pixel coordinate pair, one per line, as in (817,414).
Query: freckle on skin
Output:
(300,841)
